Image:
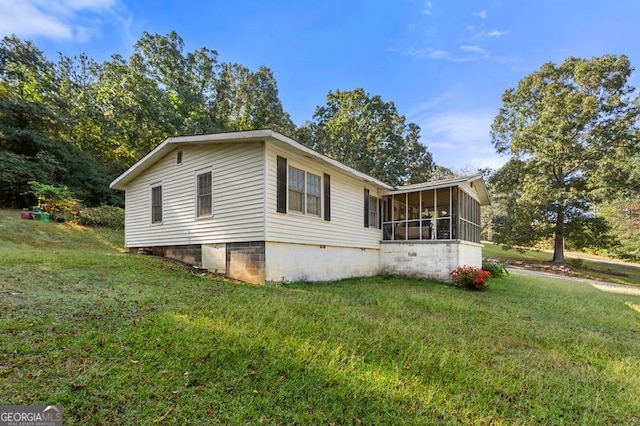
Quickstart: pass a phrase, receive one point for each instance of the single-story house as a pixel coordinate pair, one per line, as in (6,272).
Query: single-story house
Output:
(263,208)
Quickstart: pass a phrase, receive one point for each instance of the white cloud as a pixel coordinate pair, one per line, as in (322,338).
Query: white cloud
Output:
(482,14)
(471,53)
(428,53)
(457,138)
(89,4)
(489,34)
(470,127)
(494,162)
(428,6)
(497,33)
(472,48)
(68,20)
(439,54)
(23,18)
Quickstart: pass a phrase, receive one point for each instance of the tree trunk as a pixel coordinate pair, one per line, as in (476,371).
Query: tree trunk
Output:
(558,245)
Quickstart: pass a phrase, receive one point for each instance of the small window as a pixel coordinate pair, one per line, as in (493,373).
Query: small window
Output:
(179,157)
(296,190)
(156,204)
(204,195)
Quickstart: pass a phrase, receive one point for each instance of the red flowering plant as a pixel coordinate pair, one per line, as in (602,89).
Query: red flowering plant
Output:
(470,277)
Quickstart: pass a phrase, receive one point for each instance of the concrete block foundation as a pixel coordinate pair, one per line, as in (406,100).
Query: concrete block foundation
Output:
(428,259)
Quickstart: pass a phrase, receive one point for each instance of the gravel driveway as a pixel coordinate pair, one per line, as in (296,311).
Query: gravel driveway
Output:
(600,285)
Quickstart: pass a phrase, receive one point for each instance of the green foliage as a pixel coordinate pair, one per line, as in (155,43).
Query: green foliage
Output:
(576,263)
(623,214)
(15,171)
(470,277)
(106,216)
(569,130)
(30,152)
(368,134)
(496,269)
(79,123)
(57,200)
(249,100)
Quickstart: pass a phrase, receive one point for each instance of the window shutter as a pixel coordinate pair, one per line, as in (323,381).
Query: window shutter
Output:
(366,208)
(327,197)
(282,185)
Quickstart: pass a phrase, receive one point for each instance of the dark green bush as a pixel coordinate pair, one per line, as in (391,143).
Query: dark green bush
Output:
(576,263)
(496,269)
(106,216)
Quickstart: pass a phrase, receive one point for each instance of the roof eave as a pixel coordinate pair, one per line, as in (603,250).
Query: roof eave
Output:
(335,163)
(246,136)
(121,181)
(477,182)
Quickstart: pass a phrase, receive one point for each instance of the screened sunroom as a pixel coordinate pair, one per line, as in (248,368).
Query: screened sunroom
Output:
(445,210)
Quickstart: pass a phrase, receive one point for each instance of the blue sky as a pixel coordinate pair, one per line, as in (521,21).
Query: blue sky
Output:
(445,63)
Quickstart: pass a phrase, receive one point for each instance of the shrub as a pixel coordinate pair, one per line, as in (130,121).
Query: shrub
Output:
(576,263)
(57,200)
(470,277)
(496,269)
(107,216)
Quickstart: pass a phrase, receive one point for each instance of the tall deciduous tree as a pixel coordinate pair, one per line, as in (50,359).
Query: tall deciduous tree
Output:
(58,119)
(249,100)
(368,134)
(33,128)
(569,130)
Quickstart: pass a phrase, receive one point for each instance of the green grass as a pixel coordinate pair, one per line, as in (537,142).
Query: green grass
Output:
(494,250)
(594,267)
(117,338)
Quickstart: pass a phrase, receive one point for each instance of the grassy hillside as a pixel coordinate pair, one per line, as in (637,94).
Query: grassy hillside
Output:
(587,266)
(117,338)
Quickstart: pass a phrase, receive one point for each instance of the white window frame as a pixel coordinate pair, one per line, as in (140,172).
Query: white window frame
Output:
(374,212)
(199,196)
(153,187)
(309,197)
(304,193)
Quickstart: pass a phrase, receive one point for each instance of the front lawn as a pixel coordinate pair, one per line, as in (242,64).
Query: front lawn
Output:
(117,338)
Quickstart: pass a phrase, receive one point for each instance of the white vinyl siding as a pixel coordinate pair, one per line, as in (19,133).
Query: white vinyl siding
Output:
(345,227)
(237,204)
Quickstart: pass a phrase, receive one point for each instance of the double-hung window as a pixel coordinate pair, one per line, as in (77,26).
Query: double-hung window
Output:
(204,195)
(305,192)
(156,204)
(302,192)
